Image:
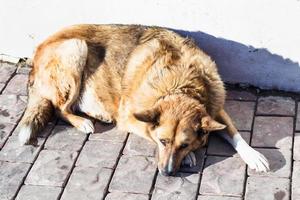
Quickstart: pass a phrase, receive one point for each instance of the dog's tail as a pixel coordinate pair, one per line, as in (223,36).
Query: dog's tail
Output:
(37,114)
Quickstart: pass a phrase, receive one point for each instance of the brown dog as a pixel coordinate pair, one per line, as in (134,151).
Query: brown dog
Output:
(148,80)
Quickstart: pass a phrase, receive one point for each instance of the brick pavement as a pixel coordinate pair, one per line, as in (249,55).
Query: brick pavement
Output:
(67,164)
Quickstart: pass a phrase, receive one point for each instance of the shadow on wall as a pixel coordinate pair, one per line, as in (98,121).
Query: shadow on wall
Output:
(239,63)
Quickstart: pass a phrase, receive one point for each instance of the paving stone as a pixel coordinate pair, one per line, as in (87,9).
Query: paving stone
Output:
(184,186)
(298,118)
(134,175)
(241,113)
(223,176)
(24,69)
(11,177)
(107,132)
(14,152)
(296,181)
(34,192)
(240,95)
(279,160)
(11,108)
(205,197)
(51,168)
(126,196)
(265,188)
(87,183)
(297,147)
(5,130)
(65,138)
(17,85)
(274,105)
(273,132)
(99,154)
(200,154)
(138,146)
(2,85)
(6,71)
(218,146)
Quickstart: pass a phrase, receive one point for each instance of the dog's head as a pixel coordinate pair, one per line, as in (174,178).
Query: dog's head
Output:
(178,126)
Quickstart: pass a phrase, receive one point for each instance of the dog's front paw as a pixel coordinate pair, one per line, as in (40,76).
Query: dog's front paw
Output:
(87,126)
(189,160)
(254,159)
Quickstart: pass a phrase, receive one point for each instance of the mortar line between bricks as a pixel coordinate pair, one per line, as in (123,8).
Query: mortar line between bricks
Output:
(292,154)
(116,165)
(153,184)
(73,167)
(201,174)
(34,159)
(12,75)
(250,142)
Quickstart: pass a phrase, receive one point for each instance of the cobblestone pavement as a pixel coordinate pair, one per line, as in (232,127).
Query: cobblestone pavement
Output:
(67,164)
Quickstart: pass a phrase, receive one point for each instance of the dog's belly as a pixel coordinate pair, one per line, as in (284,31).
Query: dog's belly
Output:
(90,104)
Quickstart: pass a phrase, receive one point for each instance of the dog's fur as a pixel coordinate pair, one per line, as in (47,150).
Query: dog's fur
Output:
(148,80)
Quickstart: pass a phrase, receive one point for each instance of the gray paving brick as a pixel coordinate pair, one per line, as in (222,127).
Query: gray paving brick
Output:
(65,138)
(297,147)
(296,181)
(133,174)
(11,108)
(17,85)
(24,69)
(240,95)
(265,188)
(5,131)
(298,118)
(2,85)
(51,168)
(87,183)
(99,154)
(107,132)
(206,197)
(6,71)
(126,196)
(11,177)
(279,160)
(273,132)
(34,192)
(275,105)
(184,186)
(14,152)
(223,176)
(138,146)
(218,146)
(241,113)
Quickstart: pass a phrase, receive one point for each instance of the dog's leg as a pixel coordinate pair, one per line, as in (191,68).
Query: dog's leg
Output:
(253,158)
(70,57)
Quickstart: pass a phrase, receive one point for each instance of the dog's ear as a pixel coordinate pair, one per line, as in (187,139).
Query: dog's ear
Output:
(149,116)
(209,124)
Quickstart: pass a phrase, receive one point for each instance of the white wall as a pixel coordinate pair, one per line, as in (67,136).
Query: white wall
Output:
(253,41)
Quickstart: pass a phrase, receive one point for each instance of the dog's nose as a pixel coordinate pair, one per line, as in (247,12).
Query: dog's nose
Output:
(166,172)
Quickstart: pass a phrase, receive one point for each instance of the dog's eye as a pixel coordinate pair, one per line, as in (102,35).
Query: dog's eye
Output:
(163,141)
(183,146)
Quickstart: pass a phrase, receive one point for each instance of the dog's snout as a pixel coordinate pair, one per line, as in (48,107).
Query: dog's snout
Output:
(167,172)
(169,169)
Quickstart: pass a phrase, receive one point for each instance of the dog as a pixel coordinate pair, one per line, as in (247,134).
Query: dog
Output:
(148,80)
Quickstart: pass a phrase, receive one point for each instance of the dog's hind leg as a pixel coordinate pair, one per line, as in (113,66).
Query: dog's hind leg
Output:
(70,58)
(253,158)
